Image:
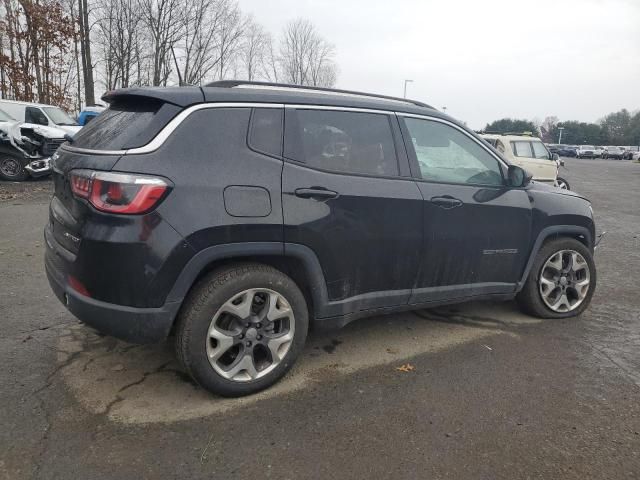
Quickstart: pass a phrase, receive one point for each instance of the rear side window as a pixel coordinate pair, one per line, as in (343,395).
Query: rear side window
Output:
(125,125)
(349,142)
(265,131)
(522,149)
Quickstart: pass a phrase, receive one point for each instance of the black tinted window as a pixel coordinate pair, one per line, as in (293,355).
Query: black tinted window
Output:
(344,142)
(265,134)
(125,125)
(35,115)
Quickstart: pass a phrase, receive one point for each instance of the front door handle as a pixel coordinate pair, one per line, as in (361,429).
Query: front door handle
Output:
(316,192)
(446,202)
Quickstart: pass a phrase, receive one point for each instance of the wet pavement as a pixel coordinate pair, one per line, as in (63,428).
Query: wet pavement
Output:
(491,393)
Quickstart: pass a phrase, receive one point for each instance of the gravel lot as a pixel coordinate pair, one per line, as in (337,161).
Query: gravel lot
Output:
(493,394)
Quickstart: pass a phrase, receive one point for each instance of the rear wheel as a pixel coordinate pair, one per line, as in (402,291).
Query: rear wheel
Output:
(241,329)
(12,168)
(561,282)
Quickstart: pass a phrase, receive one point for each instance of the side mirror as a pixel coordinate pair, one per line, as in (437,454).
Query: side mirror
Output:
(518,177)
(555,156)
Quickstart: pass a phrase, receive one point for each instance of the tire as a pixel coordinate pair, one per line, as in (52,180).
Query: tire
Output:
(241,288)
(563,184)
(531,300)
(12,168)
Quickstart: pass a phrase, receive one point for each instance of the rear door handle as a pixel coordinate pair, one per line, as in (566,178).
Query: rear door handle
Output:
(446,202)
(316,192)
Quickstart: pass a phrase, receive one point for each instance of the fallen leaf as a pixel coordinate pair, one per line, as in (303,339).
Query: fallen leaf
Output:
(392,351)
(407,367)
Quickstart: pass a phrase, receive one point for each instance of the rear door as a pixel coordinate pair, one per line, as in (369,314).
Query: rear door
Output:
(348,197)
(476,229)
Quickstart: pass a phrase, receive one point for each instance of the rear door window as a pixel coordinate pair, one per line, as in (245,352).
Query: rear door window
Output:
(522,149)
(342,141)
(124,125)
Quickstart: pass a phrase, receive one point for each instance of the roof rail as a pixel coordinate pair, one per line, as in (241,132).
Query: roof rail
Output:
(494,132)
(238,83)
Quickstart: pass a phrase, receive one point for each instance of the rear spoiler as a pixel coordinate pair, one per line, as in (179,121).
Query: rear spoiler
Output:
(180,96)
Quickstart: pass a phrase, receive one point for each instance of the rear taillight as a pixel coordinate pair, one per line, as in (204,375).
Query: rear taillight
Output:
(113,192)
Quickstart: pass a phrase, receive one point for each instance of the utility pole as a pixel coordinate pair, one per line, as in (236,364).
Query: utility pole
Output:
(405,87)
(560,136)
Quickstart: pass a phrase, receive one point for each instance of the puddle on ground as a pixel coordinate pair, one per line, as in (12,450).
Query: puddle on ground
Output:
(144,384)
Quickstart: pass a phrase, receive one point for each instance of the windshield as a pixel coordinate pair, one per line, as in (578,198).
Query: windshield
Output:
(588,147)
(59,116)
(5,117)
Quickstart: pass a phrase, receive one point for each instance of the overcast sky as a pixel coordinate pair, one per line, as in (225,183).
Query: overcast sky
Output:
(485,59)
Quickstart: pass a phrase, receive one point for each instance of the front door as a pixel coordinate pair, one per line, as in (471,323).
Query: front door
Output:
(344,197)
(476,229)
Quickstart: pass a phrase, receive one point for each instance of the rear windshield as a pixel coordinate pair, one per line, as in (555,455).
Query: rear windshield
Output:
(125,125)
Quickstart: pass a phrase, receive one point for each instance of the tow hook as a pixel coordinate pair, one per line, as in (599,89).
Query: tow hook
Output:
(599,239)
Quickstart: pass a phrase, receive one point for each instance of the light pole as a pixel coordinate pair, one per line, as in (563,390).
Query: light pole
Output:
(405,87)
(444,109)
(560,137)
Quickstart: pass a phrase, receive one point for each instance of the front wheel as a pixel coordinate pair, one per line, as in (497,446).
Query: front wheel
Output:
(561,282)
(562,183)
(241,329)
(12,168)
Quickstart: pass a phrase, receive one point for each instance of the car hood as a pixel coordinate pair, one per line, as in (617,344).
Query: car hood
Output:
(545,187)
(70,129)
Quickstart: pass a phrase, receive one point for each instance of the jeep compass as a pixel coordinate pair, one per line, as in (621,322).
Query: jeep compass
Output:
(233,216)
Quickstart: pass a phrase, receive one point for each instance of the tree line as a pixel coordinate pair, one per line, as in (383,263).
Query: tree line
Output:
(56,51)
(616,128)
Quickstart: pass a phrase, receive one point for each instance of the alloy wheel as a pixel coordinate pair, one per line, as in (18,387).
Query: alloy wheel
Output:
(250,334)
(564,281)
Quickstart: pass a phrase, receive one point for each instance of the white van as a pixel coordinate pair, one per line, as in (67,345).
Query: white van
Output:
(40,114)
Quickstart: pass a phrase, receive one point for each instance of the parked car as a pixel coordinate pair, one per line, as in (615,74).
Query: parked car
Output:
(531,154)
(636,156)
(89,113)
(613,151)
(235,217)
(629,151)
(586,151)
(566,151)
(25,148)
(41,114)
(599,151)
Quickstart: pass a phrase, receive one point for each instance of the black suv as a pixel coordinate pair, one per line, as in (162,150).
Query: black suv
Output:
(234,215)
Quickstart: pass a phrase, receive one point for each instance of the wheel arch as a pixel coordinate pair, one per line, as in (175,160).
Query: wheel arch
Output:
(297,261)
(577,232)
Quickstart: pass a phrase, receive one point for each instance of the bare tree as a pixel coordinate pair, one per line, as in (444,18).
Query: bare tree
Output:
(85,52)
(270,66)
(305,57)
(199,45)
(254,49)
(118,27)
(163,20)
(229,36)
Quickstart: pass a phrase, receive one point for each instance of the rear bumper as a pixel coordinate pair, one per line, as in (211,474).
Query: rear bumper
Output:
(135,325)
